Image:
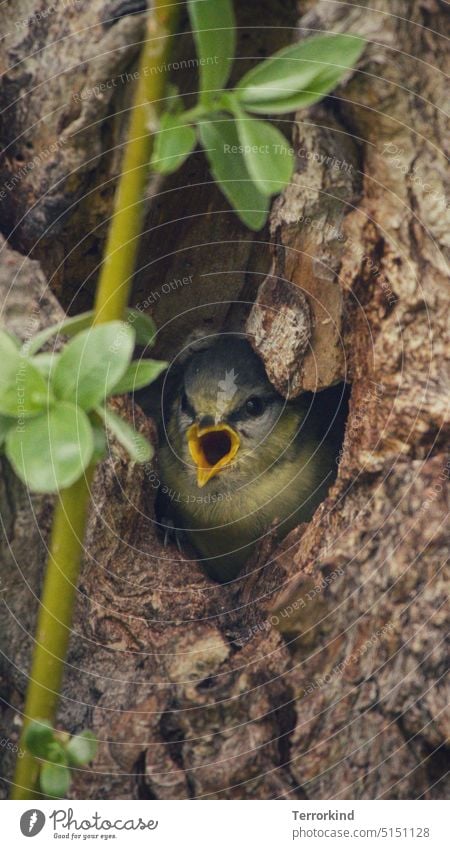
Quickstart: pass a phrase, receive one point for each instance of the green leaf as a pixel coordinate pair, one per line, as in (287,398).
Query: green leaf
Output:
(56,753)
(71,326)
(134,443)
(138,375)
(66,327)
(52,451)
(299,75)
(82,748)
(5,425)
(45,363)
(222,148)
(214,31)
(38,738)
(12,336)
(54,779)
(93,362)
(267,154)
(143,326)
(23,390)
(174,142)
(8,348)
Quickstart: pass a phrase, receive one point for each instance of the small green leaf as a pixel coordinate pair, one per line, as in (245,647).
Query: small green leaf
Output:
(82,748)
(45,363)
(56,752)
(214,30)
(39,737)
(66,327)
(12,336)
(5,425)
(267,154)
(222,148)
(143,326)
(8,348)
(174,142)
(92,363)
(71,326)
(23,391)
(54,779)
(52,451)
(138,375)
(299,75)
(134,443)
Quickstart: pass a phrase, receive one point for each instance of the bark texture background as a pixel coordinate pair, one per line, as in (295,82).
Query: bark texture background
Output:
(318,673)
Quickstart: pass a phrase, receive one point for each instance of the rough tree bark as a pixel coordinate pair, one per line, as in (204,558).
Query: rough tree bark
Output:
(319,672)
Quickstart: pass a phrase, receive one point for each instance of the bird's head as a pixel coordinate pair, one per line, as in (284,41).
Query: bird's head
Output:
(225,413)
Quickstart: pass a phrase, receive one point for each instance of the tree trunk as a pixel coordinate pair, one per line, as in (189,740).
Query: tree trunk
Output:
(319,673)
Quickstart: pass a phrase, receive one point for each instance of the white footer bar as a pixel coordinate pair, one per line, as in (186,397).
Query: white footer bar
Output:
(227,824)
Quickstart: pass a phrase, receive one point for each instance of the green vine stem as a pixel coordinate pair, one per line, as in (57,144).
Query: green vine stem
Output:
(69,522)
(121,246)
(54,623)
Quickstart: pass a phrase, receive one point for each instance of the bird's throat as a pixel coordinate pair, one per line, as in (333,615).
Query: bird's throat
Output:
(212,449)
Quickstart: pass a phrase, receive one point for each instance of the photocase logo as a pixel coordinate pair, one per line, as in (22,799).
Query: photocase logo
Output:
(32,822)
(227,389)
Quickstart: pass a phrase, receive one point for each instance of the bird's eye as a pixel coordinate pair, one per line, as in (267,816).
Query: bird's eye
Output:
(254,406)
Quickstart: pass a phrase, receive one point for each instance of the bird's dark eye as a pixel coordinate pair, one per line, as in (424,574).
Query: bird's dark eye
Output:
(186,406)
(254,406)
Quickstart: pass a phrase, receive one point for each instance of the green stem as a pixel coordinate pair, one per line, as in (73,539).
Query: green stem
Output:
(54,621)
(69,523)
(121,247)
(192,115)
(223,102)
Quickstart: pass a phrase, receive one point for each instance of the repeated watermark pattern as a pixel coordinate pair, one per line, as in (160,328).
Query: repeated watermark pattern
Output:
(226,391)
(67,823)
(297,604)
(19,175)
(97,91)
(331,232)
(332,162)
(178,497)
(46,12)
(338,670)
(165,289)
(436,488)
(358,419)
(6,743)
(397,156)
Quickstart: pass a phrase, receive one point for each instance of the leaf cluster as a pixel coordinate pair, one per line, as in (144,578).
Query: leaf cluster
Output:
(249,158)
(58,753)
(53,413)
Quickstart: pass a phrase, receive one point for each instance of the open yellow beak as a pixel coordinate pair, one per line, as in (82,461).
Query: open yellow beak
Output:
(212,448)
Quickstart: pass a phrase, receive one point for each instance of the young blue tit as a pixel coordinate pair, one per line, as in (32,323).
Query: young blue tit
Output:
(236,458)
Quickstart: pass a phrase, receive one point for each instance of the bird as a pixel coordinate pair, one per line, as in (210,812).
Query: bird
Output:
(237,460)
